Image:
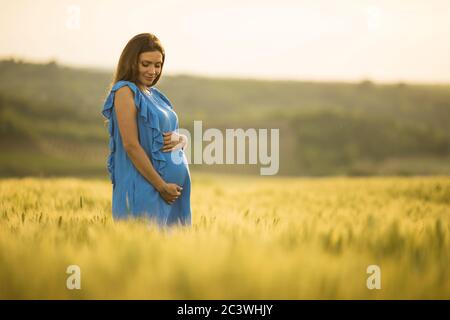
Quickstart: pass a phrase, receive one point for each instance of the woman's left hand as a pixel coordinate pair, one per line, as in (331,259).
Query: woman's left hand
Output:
(173,141)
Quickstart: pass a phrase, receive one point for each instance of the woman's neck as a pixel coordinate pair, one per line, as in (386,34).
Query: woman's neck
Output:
(145,89)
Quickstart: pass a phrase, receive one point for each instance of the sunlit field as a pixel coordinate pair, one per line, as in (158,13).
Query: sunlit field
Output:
(252,238)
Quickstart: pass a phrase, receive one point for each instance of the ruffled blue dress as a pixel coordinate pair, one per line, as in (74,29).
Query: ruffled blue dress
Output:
(133,195)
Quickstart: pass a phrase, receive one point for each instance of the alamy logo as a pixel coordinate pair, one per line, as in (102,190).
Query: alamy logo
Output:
(73,21)
(74,280)
(374,280)
(213,153)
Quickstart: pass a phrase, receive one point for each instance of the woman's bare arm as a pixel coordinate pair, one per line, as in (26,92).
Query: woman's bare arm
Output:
(127,121)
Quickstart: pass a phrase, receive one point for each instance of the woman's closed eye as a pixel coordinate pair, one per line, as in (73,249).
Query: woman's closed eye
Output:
(147,64)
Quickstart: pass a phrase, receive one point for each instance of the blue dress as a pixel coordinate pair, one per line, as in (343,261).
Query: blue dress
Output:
(133,195)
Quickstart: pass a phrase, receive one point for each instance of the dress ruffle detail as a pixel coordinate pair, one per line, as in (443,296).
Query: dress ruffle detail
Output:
(150,119)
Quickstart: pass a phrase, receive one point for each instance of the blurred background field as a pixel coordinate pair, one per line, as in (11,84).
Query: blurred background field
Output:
(308,233)
(253,238)
(53,125)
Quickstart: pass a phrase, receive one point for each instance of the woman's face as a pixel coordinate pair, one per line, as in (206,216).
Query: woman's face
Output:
(149,64)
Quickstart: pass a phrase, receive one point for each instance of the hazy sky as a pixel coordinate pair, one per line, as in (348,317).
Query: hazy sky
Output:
(387,40)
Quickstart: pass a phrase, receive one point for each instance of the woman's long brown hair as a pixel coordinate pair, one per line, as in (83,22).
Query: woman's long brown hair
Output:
(127,68)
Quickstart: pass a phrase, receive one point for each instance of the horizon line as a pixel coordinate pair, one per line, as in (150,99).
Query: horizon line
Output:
(99,68)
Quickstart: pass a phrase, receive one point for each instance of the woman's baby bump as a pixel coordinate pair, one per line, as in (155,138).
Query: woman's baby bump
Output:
(177,168)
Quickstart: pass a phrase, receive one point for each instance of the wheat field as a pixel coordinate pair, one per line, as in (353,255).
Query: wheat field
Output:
(251,238)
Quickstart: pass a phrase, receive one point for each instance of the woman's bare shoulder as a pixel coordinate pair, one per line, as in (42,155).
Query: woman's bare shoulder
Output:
(124,97)
(124,91)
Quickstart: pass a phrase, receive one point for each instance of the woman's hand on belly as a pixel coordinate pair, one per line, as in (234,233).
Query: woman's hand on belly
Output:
(170,192)
(173,141)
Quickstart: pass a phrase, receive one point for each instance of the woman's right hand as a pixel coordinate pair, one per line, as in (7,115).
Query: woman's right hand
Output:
(170,192)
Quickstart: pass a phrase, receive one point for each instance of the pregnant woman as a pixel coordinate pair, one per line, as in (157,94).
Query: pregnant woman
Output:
(147,165)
